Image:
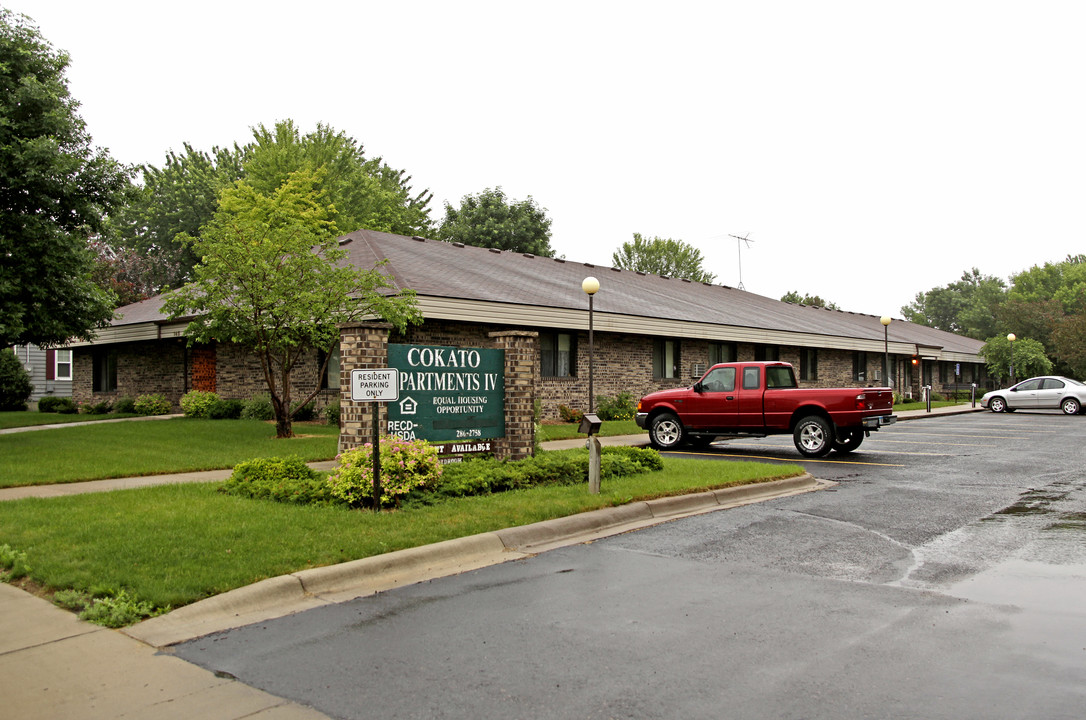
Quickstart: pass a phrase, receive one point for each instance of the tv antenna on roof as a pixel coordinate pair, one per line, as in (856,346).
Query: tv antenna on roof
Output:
(739,243)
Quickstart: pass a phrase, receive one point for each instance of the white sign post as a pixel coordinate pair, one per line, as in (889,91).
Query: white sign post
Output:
(375,386)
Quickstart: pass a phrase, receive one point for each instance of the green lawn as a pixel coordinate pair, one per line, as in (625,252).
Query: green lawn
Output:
(110,450)
(565,431)
(175,544)
(29,418)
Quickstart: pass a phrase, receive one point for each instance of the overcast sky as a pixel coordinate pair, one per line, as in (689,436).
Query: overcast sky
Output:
(869,150)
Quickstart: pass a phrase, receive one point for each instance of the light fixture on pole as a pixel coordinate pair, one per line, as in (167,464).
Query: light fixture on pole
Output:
(591,286)
(1012,338)
(886,320)
(590,423)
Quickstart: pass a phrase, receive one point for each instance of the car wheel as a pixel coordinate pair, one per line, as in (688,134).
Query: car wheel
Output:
(1070,406)
(813,436)
(997,404)
(849,442)
(666,432)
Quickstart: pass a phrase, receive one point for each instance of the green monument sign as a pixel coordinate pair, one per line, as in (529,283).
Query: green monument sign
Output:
(450,395)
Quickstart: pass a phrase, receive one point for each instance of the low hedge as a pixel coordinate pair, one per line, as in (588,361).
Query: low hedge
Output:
(53,404)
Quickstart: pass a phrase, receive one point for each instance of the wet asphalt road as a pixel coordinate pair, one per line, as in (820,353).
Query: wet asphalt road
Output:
(943,577)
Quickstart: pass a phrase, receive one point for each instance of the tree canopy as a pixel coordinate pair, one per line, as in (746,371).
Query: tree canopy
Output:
(183,195)
(662,256)
(55,189)
(967,306)
(273,279)
(793,296)
(1028,358)
(490,219)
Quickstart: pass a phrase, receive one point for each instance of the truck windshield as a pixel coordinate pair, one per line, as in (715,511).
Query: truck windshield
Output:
(779,377)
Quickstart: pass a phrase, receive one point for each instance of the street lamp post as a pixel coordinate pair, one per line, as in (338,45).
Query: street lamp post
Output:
(591,286)
(1012,338)
(886,320)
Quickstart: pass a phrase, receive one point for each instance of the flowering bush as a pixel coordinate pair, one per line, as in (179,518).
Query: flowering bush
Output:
(405,466)
(198,403)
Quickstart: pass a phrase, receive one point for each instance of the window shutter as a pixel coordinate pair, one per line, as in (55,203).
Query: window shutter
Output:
(50,364)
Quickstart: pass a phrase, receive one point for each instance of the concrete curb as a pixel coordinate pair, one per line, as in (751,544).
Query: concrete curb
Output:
(307,589)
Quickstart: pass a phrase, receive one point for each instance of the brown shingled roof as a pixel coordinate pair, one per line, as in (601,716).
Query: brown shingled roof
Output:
(440,269)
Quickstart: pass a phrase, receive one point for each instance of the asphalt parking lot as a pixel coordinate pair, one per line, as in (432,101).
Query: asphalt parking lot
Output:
(918,443)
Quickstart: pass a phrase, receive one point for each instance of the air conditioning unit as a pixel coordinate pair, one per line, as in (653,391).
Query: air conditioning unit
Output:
(697,370)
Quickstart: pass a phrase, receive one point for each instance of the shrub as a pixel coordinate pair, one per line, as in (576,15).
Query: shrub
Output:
(124,405)
(99,408)
(287,480)
(198,403)
(113,611)
(154,404)
(226,409)
(52,404)
(304,413)
(13,563)
(569,414)
(620,407)
(405,466)
(331,413)
(258,408)
(15,386)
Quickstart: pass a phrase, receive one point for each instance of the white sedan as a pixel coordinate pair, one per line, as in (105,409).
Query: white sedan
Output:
(1049,391)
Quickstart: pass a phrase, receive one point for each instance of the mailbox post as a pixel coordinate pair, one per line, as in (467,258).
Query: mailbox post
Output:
(590,424)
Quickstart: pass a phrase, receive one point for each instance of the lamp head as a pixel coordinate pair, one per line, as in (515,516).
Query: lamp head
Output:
(1011,337)
(886,320)
(590,285)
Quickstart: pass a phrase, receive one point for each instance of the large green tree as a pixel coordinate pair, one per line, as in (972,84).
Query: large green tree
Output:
(273,279)
(490,219)
(793,296)
(55,189)
(662,256)
(1026,355)
(967,307)
(183,195)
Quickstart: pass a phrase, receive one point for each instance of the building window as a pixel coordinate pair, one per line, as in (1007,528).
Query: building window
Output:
(104,369)
(63,365)
(722,353)
(665,358)
(767,353)
(808,364)
(859,367)
(330,376)
(558,354)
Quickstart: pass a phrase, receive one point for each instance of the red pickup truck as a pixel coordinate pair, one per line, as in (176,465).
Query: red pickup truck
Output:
(755,399)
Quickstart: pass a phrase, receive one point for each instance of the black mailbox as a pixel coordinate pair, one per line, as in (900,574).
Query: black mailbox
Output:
(590,424)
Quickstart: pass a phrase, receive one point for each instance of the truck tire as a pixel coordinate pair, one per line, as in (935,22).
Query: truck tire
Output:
(666,432)
(849,442)
(813,436)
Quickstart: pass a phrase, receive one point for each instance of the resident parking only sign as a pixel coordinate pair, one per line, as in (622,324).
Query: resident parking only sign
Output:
(448,394)
(378,385)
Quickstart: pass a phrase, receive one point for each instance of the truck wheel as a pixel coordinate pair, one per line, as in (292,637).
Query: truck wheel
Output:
(813,436)
(849,442)
(666,432)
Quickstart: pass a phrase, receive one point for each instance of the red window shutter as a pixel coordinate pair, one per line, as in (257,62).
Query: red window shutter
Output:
(50,364)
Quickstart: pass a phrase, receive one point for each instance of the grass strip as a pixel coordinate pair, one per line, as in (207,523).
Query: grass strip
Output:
(610,428)
(112,450)
(175,544)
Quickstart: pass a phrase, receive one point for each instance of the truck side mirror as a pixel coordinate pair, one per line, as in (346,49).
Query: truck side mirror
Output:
(698,387)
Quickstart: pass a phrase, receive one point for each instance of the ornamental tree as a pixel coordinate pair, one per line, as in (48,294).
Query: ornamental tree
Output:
(55,189)
(273,279)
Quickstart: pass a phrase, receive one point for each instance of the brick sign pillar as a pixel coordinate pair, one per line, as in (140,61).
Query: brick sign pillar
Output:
(361,346)
(520,384)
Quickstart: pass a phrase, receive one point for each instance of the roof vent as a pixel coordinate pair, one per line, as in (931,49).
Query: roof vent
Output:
(617,269)
(686,279)
(345,240)
(494,250)
(561,259)
(589,265)
(458,244)
(528,255)
(418,237)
